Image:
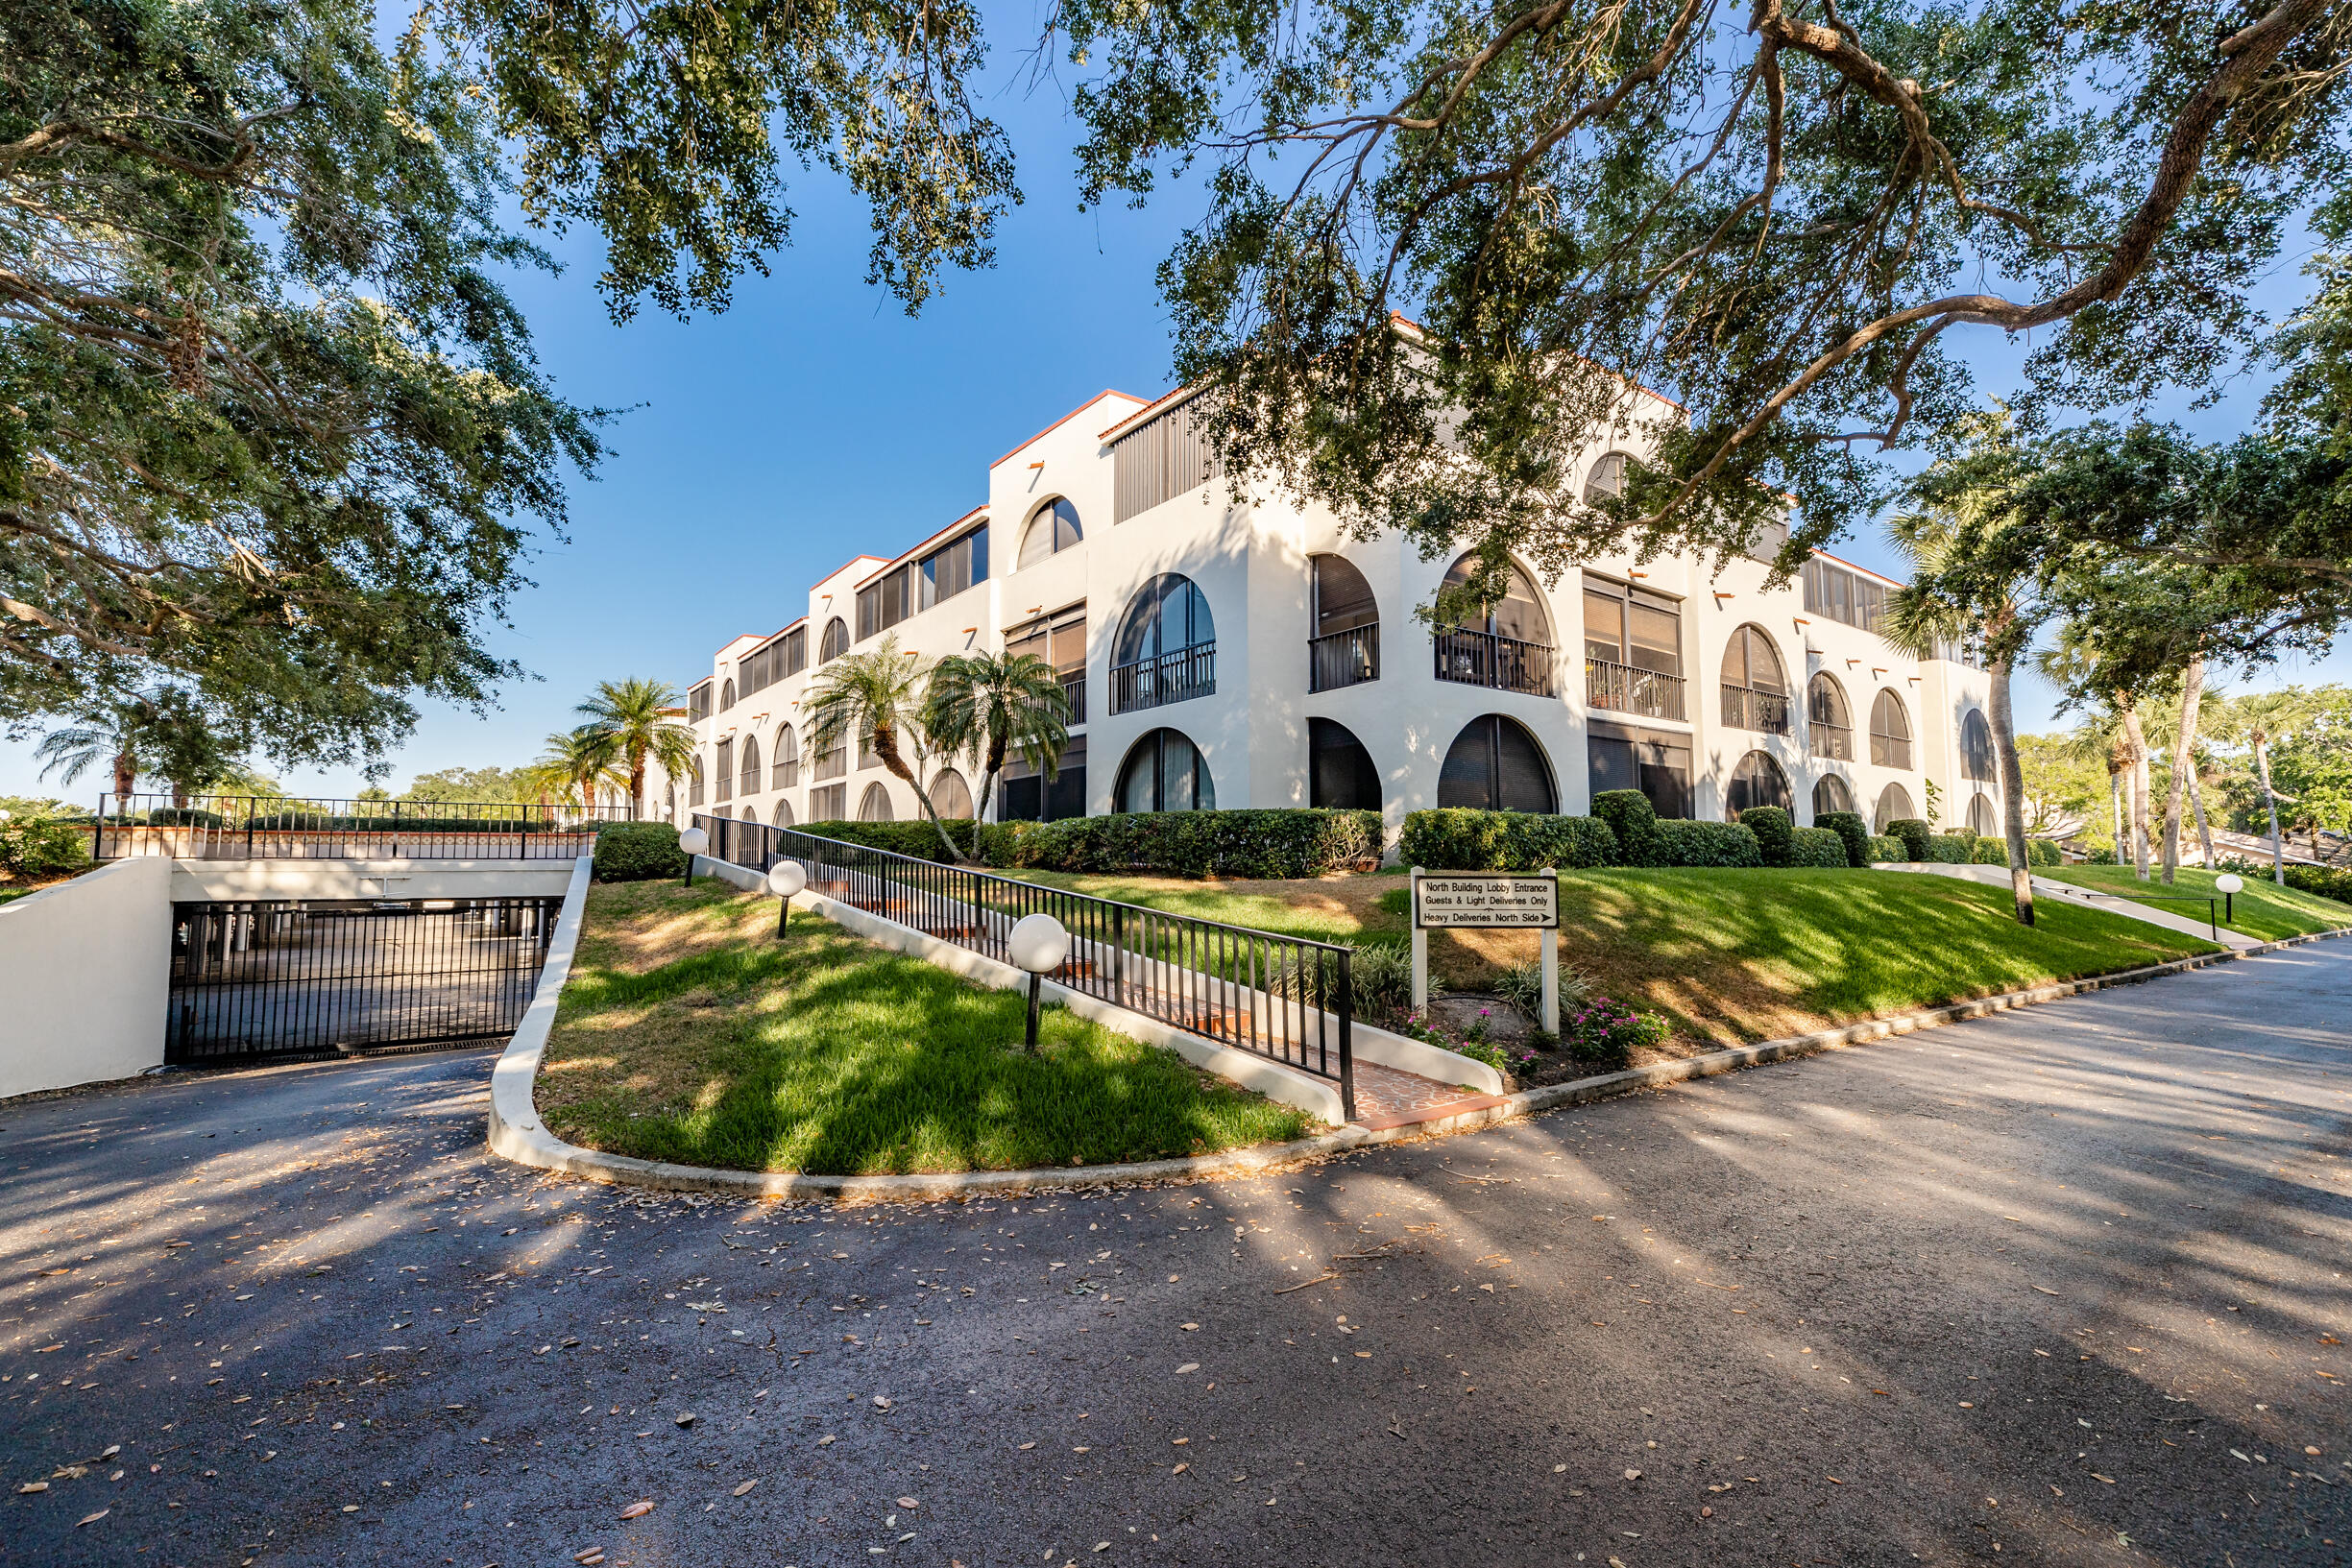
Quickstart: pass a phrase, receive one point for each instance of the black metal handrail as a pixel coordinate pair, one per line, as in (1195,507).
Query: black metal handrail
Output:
(1348,657)
(1490,659)
(309,828)
(1749,708)
(1627,689)
(1287,998)
(1169,677)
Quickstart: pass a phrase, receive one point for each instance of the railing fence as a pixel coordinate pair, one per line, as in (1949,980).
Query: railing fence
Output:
(308,827)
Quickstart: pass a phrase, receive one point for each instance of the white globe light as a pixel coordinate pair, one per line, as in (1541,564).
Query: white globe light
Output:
(693,841)
(787,877)
(1039,943)
(2229,882)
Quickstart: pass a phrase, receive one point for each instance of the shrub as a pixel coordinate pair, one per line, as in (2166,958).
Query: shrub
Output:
(1455,838)
(2327,881)
(1634,822)
(1772,828)
(1523,987)
(1815,847)
(43,846)
(1886,849)
(916,839)
(1606,1031)
(1380,977)
(2101,856)
(1281,844)
(2041,851)
(1852,831)
(1949,849)
(637,852)
(183,816)
(1914,834)
(1706,844)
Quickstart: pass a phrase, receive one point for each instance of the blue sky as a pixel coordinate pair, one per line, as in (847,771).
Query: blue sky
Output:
(814,418)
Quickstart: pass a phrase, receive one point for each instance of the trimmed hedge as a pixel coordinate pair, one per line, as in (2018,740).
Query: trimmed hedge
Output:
(1815,847)
(916,839)
(1633,822)
(1951,849)
(1707,844)
(318,822)
(637,852)
(1885,849)
(1995,852)
(1851,830)
(1297,841)
(2327,881)
(1773,830)
(1457,838)
(1914,834)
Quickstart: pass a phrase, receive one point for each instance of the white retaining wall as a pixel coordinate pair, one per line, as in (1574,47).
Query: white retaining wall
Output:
(84,977)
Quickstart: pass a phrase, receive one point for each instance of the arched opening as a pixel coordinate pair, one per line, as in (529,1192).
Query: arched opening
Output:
(751,816)
(1496,765)
(1164,772)
(1983,820)
(1052,528)
(693,786)
(1339,771)
(747,781)
(874,805)
(1504,643)
(1894,806)
(1831,793)
(1166,649)
(726,695)
(951,797)
(1605,480)
(1754,686)
(784,817)
(669,802)
(1345,647)
(1890,732)
(1758,781)
(1828,723)
(1978,762)
(836,642)
(783,771)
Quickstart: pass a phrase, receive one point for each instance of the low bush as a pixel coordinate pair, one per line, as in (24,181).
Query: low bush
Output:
(1274,843)
(1774,831)
(1706,844)
(1523,987)
(1634,822)
(637,852)
(43,846)
(1950,849)
(1455,838)
(1851,830)
(183,816)
(2327,881)
(1914,834)
(917,840)
(1886,849)
(1606,1033)
(1380,976)
(1815,847)
(1995,852)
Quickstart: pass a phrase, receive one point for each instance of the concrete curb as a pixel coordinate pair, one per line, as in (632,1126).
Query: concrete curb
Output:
(517,1133)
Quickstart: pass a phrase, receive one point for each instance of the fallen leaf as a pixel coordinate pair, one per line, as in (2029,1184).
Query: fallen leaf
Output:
(1633,1475)
(92,1518)
(31,1486)
(1179,1469)
(746,1486)
(1188,1366)
(881,1403)
(635,1511)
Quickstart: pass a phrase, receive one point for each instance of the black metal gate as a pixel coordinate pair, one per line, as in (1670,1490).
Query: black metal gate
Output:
(315,977)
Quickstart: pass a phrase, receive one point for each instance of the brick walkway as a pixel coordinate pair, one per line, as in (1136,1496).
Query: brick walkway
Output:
(1389,1097)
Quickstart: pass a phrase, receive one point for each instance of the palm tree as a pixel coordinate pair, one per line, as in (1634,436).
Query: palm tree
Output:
(574,765)
(638,719)
(2259,718)
(72,750)
(986,705)
(875,694)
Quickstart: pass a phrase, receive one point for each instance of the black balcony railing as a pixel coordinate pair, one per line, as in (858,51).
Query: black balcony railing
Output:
(1339,659)
(275,827)
(1492,659)
(1171,677)
(1831,741)
(1286,997)
(1624,688)
(1073,689)
(1745,708)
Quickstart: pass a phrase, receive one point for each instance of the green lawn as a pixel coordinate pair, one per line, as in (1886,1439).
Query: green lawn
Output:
(2263,910)
(1728,956)
(688,1033)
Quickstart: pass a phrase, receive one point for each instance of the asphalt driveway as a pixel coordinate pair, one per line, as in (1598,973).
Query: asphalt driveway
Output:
(2066,1286)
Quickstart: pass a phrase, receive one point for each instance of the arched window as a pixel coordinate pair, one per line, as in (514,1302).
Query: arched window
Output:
(783,770)
(1828,723)
(749,782)
(783,814)
(1052,528)
(1164,772)
(1505,642)
(694,787)
(874,805)
(835,642)
(1518,614)
(1345,647)
(1758,781)
(1982,819)
(726,694)
(750,815)
(1831,793)
(1607,478)
(1755,690)
(1339,771)
(1977,759)
(1894,806)
(1890,732)
(1167,647)
(951,797)
(669,802)
(1496,765)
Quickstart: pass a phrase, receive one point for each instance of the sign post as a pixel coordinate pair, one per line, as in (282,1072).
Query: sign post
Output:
(1487,901)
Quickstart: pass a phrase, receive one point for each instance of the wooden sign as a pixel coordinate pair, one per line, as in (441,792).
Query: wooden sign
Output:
(1485,901)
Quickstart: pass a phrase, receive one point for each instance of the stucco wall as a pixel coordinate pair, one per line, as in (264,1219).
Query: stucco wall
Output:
(84,977)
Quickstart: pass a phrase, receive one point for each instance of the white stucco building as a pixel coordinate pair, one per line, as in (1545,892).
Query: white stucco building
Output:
(1250,656)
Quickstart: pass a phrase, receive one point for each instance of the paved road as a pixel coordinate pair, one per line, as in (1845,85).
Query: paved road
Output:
(2064,1287)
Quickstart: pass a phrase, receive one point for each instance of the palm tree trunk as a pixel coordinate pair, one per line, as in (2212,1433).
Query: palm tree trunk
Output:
(126,773)
(2269,801)
(2196,807)
(2135,750)
(2184,760)
(2115,805)
(637,783)
(2012,793)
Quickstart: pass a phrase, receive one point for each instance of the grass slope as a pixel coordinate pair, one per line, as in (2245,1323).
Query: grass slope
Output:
(2263,910)
(1729,955)
(688,1033)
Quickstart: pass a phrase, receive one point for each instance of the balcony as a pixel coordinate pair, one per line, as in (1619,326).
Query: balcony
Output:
(1831,741)
(1622,688)
(1348,657)
(1073,689)
(1489,658)
(1745,708)
(1171,677)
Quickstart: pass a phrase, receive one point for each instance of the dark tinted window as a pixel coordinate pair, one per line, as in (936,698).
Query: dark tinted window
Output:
(1496,765)
(1341,775)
